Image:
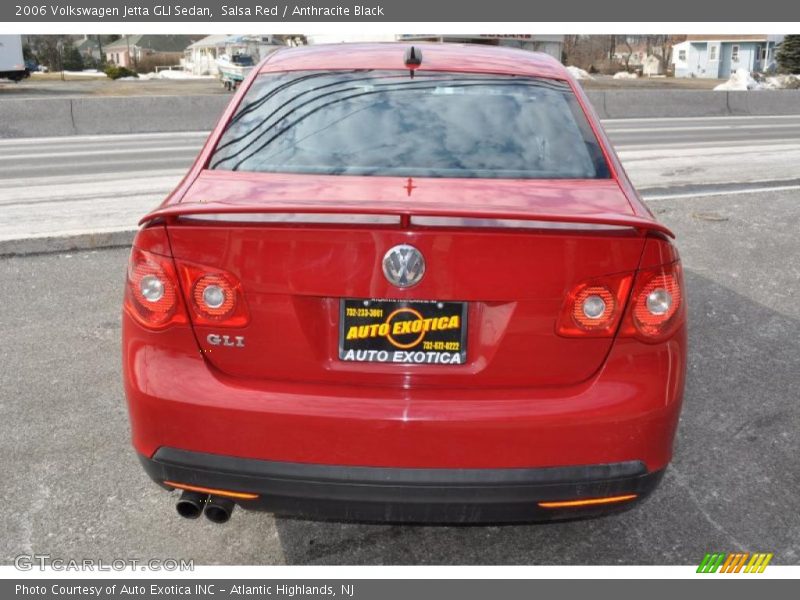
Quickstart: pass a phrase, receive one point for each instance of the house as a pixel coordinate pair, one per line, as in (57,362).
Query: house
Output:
(641,54)
(640,59)
(718,56)
(200,57)
(549,44)
(633,54)
(651,66)
(130,50)
(89,47)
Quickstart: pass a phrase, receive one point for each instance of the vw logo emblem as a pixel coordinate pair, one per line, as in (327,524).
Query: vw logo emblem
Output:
(403,266)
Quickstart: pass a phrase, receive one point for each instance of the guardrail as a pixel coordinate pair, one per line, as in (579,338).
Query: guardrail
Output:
(41,117)
(627,104)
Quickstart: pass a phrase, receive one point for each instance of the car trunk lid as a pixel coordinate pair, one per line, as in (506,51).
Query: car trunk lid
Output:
(509,250)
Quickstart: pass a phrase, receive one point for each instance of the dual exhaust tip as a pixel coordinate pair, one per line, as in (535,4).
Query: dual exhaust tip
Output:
(216,508)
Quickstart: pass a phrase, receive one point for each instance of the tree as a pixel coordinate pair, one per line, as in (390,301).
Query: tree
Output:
(626,56)
(586,51)
(72,61)
(47,49)
(788,55)
(570,46)
(611,46)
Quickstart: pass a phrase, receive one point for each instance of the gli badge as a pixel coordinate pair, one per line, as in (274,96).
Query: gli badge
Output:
(403,266)
(225,340)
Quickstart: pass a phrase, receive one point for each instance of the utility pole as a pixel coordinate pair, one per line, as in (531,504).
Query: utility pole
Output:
(60,48)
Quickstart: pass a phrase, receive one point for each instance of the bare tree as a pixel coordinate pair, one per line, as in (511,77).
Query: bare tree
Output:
(626,56)
(611,41)
(661,47)
(571,44)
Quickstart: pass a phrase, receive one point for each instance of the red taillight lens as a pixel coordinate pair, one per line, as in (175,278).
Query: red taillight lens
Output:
(215,297)
(657,305)
(151,293)
(655,310)
(594,308)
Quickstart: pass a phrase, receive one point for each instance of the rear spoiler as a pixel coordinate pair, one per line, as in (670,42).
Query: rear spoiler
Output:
(403,213)
(425,215)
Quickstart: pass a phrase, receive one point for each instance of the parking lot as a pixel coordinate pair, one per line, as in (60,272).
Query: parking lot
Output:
(74,489)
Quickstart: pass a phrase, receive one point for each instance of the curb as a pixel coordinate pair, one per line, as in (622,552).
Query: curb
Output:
(66,243)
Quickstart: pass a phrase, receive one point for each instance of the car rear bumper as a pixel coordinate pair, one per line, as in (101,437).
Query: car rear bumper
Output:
(408,495)
(281,439)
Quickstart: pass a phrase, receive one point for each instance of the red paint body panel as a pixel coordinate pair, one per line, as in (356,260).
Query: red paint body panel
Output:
(628,411)
(515,283)
(525,397)
(576,201)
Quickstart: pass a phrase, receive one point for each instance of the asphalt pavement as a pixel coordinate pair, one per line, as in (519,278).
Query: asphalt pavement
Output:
(72,487)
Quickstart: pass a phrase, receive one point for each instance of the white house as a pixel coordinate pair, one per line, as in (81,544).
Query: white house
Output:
(651,65)
(717,56)
(200,57)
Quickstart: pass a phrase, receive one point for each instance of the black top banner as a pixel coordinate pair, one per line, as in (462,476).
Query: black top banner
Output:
(467,11)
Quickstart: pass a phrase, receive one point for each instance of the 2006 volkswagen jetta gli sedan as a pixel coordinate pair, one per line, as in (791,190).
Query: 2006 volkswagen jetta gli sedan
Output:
(406,284)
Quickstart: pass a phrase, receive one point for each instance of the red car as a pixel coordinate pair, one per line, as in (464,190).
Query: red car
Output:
(405,284)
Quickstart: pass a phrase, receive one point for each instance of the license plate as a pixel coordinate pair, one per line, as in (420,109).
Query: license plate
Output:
(403,331)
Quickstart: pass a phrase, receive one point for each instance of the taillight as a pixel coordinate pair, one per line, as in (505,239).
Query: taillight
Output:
(594,308)
(655,309)
(657,304)
(151,292)
(215,296)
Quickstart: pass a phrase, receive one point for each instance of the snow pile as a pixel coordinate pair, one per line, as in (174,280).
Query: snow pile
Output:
(782,82)
(625,75)
(579,73)
(177,75)
(166,74)
(84,73)
(741,80)
(182,75)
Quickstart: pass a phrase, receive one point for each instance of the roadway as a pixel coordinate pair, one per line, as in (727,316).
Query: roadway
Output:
(107,182)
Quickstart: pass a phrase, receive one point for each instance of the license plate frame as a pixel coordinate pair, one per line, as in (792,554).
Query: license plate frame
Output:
(403,332)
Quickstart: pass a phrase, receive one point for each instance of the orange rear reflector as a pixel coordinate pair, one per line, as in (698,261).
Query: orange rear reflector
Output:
(212,491)
(587,502)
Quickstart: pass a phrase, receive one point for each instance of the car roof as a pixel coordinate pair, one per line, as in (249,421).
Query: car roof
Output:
(465,58)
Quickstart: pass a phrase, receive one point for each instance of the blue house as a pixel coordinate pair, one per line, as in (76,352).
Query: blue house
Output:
(718,56)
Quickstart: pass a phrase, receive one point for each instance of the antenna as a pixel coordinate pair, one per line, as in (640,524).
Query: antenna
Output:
(413,57)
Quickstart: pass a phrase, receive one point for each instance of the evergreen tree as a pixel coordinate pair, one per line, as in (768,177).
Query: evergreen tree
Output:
(73,60)
(788,55)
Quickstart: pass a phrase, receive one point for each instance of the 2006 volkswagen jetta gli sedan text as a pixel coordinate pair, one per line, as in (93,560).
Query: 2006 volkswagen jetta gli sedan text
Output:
(406,284)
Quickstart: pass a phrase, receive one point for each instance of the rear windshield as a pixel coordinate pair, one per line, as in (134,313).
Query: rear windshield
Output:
(432,125)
